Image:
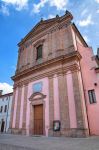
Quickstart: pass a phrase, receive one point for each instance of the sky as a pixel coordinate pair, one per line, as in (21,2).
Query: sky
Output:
(17,18)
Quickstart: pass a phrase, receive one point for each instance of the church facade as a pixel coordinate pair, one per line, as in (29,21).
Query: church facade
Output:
(56,83)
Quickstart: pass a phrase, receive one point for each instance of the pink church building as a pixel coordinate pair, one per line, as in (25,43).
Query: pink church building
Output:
(56,83)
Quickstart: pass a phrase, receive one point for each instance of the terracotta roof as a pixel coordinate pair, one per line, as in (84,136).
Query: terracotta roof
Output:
(5,95)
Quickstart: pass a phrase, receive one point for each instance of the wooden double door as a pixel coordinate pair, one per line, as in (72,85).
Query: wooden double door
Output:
(38,119)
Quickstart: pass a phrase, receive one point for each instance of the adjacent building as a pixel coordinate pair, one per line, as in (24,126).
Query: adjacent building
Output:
(56,83)
(5,111)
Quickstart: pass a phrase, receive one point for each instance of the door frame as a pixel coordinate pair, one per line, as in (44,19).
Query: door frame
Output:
(36,101)
(42,118)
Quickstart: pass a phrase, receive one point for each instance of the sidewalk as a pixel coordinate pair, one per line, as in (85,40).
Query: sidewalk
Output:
(18,142)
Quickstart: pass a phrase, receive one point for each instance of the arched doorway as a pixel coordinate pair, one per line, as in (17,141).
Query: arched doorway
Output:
(2,126)
(37,115)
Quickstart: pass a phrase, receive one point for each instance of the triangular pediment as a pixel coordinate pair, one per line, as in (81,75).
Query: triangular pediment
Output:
(41,26)
(45,24)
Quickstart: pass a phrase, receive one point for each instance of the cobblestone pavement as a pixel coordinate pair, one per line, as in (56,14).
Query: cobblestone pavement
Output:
(18,142)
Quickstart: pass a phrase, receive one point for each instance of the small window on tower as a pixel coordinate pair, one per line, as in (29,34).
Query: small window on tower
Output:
(39,52)
(92,96)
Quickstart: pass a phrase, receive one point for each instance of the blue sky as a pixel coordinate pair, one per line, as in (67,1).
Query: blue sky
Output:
(17,17)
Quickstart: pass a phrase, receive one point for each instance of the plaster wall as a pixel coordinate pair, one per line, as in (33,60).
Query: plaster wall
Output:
(90,77)
(30,92)
(7,100)
(72,111)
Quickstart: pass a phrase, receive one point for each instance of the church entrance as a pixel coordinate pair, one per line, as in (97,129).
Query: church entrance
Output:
(38,119)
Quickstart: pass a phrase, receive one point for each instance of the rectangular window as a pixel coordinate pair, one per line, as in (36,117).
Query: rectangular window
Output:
(5,109)
(1,109)
(39,52)
(92,96)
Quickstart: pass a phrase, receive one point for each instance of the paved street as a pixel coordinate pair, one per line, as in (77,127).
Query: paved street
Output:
(43,143)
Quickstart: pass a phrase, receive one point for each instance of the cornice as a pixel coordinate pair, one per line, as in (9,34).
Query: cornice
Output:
(61,59)
(58,72)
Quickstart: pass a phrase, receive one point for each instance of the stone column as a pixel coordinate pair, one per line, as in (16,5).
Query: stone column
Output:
(71,101)
(56,99)
(51,105)
(64,108)
(24,109)
(21,108)
(31,132)
(78,105)
(50,53)
(18,108)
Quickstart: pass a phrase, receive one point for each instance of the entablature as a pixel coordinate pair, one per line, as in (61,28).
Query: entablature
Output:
(60,64)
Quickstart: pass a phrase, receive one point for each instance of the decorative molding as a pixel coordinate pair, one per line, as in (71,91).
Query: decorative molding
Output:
(50,74)
(39,42)
(43,26)
(37,96)
(58,53)
(62,59)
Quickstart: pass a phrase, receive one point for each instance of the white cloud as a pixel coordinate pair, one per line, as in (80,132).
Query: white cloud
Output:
(37,7)
(51,16)
(6,88)
(86,38)
(19,4)
(4,10)
(97,1)
(59,4)
(98,11)
(86,22)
